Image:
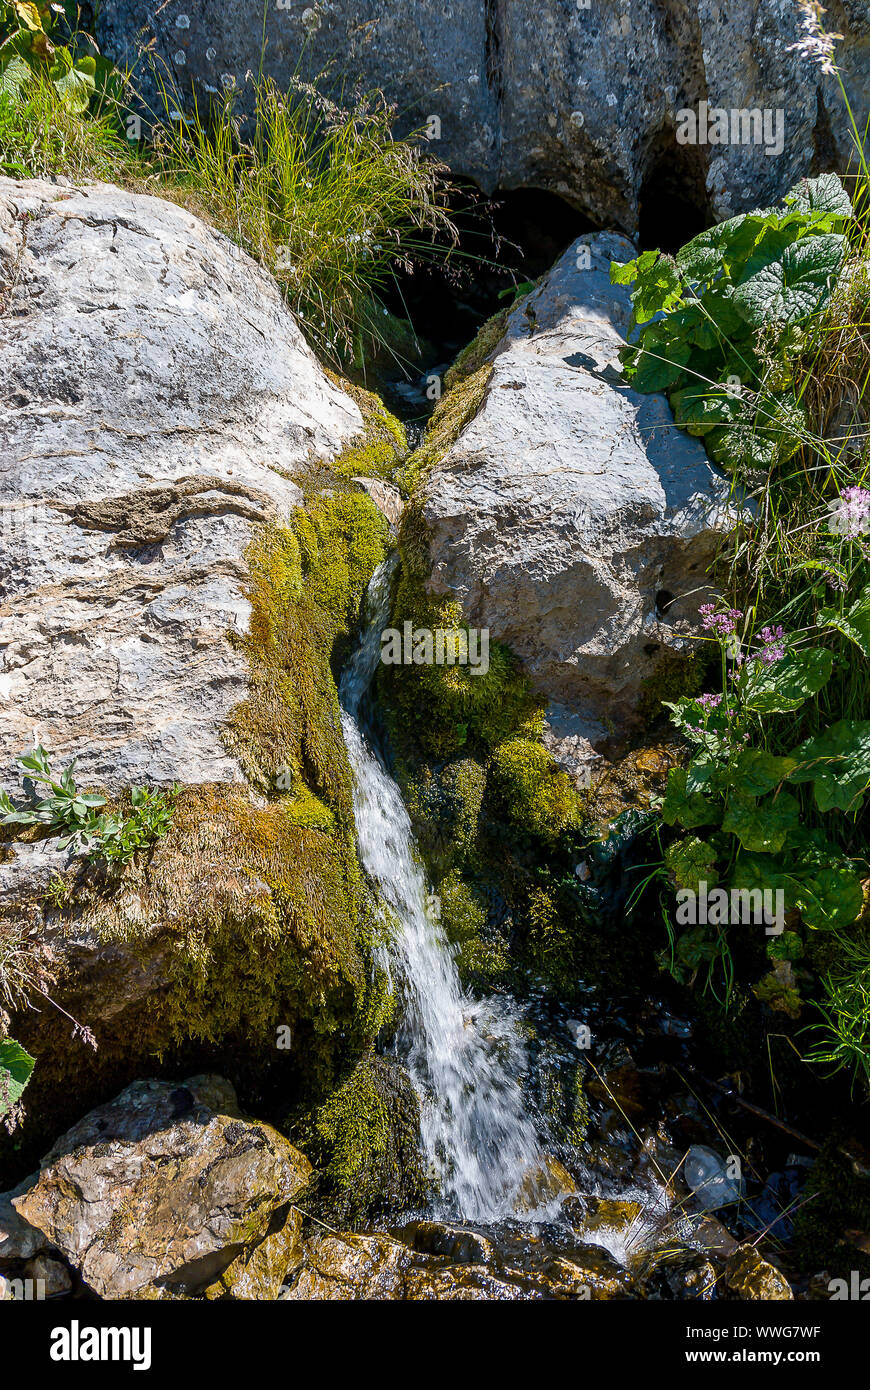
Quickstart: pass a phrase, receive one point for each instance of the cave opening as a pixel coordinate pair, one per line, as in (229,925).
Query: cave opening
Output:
(673,204)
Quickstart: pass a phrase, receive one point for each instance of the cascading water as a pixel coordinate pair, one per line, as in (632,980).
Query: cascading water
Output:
(465,1056)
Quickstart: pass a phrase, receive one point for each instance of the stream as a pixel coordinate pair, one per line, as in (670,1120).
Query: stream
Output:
(465,1056)
(646,1209)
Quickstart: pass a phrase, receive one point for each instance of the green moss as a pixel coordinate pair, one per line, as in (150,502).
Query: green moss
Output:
(453,412)
(365,1140)
(444,803)
(383,445)
(482,955)
(531,791)
(836,1201)
(306,587)
(475,354)
(449,709)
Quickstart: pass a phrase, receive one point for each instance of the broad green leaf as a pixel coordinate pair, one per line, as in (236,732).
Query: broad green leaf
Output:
(756,772)
(700,408)
(692,862)
(740,448)
(657,286)
(16,1067)
(659,358)
(761,826)
(14,76)
(74,84)
(688,809)
(795,285)
(699,773)
(786,684)
(824,194)
(814,877)
(837,762)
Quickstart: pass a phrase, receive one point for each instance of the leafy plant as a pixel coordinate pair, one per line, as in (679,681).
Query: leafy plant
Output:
(78,816)
(736,783)
(16,1066)
(29,53)
(722,324)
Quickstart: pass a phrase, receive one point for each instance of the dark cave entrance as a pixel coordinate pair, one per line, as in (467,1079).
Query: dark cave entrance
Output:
(673,204)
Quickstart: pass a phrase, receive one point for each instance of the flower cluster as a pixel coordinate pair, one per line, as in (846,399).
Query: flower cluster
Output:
(849,514)
(772,646)
(721,622)
(817,45)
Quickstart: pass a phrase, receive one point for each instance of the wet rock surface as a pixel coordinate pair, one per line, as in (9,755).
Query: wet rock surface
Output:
(167,1191)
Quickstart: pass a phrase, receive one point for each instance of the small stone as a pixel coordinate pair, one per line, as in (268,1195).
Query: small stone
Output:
(748,1275)
(54,1276)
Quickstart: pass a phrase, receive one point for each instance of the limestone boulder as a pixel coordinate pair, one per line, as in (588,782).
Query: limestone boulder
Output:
(156,398)
(582,99)
(570,517)
(165,1189)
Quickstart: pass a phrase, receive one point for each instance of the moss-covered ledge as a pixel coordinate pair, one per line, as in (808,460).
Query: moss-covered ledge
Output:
(247,934)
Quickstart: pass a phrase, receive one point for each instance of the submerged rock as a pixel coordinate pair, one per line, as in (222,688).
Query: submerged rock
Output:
(707,1175)
(167,1189)
(748,1275)
(432,1260)
(568,507)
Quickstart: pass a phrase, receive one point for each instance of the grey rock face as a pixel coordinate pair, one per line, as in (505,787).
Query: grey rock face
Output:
(578,98)
(570,516)
(162,1189)
(156,397)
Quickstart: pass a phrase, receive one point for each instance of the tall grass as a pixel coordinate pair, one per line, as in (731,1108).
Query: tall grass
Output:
(323,195)
(41,136)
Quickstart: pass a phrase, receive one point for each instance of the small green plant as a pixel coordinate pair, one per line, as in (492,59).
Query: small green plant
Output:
(740,792)
(725,322)
(77,815)
(843,1038)
(29,53)
(16,1066)
(26,970)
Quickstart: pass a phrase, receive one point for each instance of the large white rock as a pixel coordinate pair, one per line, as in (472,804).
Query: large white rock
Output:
(156,397)
(570,510)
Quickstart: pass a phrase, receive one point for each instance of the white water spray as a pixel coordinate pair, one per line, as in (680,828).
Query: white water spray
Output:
(465,1056)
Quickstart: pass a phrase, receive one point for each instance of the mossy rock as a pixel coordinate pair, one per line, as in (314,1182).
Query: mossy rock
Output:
(384,443)
(365,1141)
(450,710)
(444,803)
(251,915)
(530,789)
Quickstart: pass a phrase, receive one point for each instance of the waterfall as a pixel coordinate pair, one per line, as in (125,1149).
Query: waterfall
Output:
(465,1056)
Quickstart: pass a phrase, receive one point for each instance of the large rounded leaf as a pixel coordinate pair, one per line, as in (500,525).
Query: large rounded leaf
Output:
(794,285)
